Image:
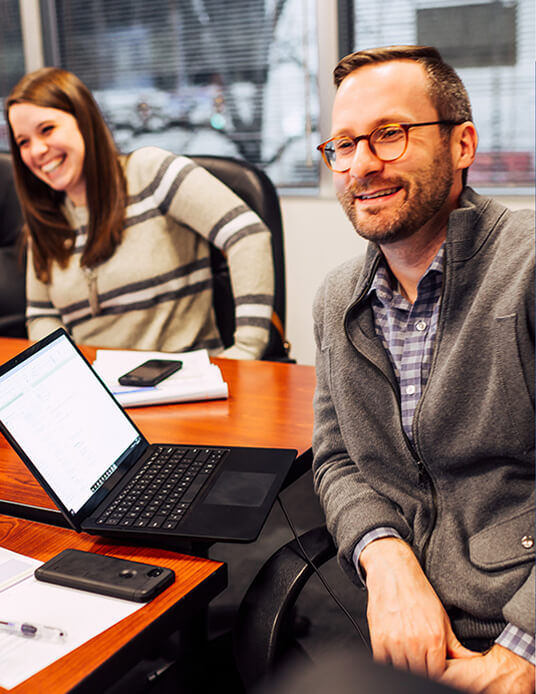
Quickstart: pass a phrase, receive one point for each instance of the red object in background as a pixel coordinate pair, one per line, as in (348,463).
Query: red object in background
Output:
(506,168)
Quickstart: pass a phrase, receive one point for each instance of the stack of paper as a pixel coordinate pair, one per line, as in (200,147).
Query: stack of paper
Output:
(197,380)
(79,614)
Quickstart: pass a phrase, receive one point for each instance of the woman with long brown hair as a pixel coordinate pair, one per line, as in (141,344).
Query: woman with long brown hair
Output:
(118,245)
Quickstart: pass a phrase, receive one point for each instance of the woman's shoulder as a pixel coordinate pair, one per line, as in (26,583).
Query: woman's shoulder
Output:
(146,157)
(144,165)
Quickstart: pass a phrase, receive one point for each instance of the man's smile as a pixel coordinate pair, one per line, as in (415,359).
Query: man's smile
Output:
(378,193)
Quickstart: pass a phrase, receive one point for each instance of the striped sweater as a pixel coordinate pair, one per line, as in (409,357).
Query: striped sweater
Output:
(155,292)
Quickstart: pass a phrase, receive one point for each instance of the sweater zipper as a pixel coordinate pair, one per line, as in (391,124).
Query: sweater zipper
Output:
(422,472)
(424,476)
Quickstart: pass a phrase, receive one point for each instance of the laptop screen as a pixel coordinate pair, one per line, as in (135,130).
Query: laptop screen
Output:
(65,421)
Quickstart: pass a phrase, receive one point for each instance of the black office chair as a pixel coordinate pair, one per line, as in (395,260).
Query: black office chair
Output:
(267,654)
(264,635)
(12,281)
(264,630)
(259,193)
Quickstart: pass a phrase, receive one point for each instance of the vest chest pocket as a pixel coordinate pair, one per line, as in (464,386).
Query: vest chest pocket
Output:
(506,543)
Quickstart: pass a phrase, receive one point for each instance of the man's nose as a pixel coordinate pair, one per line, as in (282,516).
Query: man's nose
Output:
(364,161)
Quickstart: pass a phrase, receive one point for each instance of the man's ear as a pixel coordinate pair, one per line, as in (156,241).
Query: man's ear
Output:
(464,141)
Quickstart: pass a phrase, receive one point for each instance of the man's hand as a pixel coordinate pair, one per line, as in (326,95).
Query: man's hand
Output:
(499,671)
(409,626)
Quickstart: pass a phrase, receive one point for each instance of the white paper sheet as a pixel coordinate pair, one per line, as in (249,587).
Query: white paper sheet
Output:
(80,614)
(197,380)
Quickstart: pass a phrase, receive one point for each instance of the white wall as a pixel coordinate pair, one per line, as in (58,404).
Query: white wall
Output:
(318,237)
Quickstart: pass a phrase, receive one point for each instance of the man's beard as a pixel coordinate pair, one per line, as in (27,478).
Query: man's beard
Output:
(425,195)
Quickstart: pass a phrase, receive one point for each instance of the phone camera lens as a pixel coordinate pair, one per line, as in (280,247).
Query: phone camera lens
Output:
(154,572)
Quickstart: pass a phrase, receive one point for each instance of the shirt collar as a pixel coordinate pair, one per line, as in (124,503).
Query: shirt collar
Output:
(385,285)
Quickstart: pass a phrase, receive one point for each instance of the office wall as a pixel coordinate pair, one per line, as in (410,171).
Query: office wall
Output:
(318,237)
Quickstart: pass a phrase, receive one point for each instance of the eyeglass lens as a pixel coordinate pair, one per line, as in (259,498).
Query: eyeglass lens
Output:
(387,143)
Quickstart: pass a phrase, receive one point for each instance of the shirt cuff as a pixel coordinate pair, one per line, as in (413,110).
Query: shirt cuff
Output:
(376,534)
(518,641)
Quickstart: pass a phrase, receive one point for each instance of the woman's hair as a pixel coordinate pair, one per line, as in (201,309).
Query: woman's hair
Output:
(51,236)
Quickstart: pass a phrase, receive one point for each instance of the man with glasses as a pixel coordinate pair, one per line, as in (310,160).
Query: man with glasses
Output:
(423,443)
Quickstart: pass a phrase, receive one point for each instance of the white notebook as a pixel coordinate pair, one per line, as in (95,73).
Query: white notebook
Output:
(197,380)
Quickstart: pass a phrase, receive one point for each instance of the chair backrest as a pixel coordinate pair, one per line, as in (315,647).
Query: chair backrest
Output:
(257,191)
(12,276)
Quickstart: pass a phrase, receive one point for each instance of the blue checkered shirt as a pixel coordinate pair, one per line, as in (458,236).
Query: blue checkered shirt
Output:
(407,332)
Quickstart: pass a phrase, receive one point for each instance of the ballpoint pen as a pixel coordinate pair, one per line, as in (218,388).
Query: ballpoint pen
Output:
(32,630)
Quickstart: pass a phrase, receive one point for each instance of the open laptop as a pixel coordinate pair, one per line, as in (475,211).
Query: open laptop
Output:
(106,478)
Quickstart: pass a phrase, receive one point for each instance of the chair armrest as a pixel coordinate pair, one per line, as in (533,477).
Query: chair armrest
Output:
(263,625)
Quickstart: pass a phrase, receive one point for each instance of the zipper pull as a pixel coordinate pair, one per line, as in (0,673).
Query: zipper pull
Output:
(422,472)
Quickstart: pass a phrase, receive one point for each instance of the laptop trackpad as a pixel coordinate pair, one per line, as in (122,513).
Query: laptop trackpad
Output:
(235,488)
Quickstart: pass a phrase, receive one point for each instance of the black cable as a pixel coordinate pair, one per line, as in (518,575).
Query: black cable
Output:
(322,579)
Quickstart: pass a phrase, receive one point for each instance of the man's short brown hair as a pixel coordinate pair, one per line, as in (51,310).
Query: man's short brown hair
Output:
(446,90)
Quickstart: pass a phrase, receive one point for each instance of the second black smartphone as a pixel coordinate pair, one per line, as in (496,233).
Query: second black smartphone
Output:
(99,573)
(150,372)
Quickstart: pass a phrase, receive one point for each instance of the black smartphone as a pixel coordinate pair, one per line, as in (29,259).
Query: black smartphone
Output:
(98,573)
(150,372)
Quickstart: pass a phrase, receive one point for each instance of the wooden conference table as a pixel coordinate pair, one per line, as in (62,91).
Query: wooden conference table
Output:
(98,663)
(269,404)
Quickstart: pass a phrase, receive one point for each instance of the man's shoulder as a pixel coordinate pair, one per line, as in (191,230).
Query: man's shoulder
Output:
(340,284)
(490,213)
(347,269)
(484,227)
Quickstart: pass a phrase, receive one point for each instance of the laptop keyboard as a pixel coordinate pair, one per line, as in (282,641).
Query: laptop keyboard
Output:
(160,493)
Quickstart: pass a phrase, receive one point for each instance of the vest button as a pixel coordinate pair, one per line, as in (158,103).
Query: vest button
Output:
(527,541)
